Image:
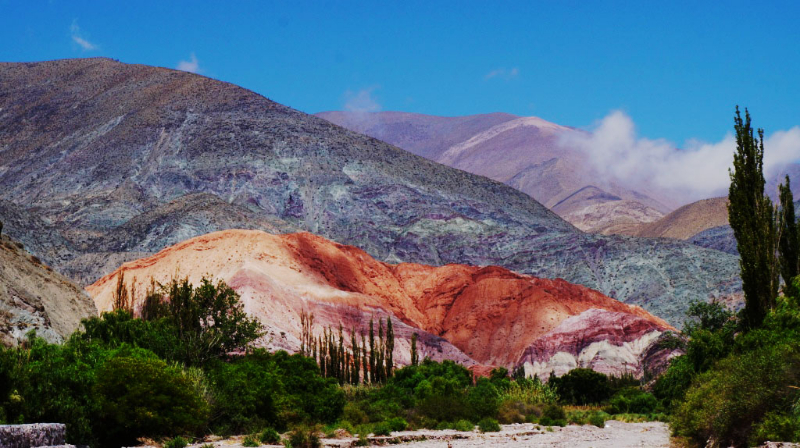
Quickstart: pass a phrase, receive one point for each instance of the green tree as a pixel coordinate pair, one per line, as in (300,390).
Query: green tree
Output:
(140,395)
(789,244)
(414,354)
(750,213)
(186,324)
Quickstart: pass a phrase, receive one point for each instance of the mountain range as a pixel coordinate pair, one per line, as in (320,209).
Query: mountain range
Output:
(112,162)
(538,158)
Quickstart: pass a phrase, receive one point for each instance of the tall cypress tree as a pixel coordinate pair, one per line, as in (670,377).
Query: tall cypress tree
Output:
(414,354)
(750,214)
(789,244)
(380,372)
(356,357)
(389,348)
(372,357)
(364,359)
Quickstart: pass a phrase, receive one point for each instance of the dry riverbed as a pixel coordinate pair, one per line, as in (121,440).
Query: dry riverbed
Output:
(614,435)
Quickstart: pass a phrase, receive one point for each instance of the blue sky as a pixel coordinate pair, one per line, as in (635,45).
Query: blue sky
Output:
(676,68)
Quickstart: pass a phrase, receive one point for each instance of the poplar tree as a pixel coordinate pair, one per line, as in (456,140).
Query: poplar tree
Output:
(789,244)
(364,359)
(371,351)
(414,354)
(356,357)
(119,296)
(750,214)
(389,348)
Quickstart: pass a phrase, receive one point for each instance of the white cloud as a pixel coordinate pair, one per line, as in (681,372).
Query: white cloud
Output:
(700,170)
(361,101)
(79,38)
(192,65)
(502,73)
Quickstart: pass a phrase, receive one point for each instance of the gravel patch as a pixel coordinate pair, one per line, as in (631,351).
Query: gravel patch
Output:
(614,435)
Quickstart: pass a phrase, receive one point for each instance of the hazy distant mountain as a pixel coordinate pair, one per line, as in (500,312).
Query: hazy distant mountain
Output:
(523,152)
(704,223)
(120,161)
(688,220)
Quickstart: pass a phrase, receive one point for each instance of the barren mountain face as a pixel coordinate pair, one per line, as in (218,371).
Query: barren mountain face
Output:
(116,161)
(489,315)
(34,298)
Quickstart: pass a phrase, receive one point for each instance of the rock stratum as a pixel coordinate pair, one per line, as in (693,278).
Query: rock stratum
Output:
(113,162)
(474,315)
(33,297)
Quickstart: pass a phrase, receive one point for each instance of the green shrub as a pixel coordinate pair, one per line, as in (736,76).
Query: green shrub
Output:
(488,425)
(632,400)
(726,403)
(277,390)
(353,413)
(464,425)
(554,412)
(597,419)
(139,395)
(270,437)
(672,385)
(177,442)
(48,382)
(484,399)
(397,424)
(382,429)
(530,392)
(362,440)
(304,437)
(582,387)
(250,441)
(512,412)
(777,426)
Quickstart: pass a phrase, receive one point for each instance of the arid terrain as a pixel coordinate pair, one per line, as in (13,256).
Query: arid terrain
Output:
(113,162)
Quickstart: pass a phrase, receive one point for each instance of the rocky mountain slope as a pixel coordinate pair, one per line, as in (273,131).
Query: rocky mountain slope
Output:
(487,315)
(33,297)
(688,220)
(118,161)
(526,153)
(704,223)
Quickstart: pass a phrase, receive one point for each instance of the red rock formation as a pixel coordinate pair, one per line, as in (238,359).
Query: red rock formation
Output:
(490,314)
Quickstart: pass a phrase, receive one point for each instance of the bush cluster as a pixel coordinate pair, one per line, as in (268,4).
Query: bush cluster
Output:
(124,378)
(744,395)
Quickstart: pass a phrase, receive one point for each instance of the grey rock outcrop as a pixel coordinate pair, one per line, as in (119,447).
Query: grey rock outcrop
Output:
(34,297)
(33,435)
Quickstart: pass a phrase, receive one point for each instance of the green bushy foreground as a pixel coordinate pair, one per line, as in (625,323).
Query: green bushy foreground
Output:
(124,378)
(738,388)
(167,376)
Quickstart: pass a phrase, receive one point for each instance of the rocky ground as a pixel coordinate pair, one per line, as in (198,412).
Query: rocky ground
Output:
(614,435)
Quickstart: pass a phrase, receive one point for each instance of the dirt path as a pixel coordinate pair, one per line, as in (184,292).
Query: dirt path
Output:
(614,435)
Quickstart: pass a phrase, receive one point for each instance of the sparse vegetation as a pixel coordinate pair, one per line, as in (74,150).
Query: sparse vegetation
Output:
(488,424)
(270,437)
(177,442)
(250,441)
